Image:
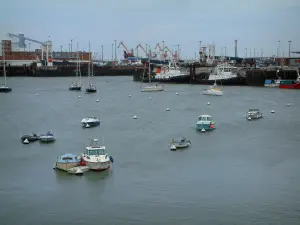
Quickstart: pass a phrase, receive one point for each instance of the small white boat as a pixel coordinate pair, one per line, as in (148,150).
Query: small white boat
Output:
(90,121)
(95,156)
(180,143)
(49,137)
(67,161)
(151,88)
(213,90)
(78,170)
(26,141)
(254,114)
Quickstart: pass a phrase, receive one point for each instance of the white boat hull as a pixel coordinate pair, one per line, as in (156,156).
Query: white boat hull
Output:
(212,92)
(152,88)
(98,165)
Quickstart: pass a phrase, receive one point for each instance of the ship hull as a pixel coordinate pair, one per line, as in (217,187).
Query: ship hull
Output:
(290,86)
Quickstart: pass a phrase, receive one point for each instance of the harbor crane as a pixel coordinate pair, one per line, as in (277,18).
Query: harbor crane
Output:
(140,45)
(127,53)
(22,39)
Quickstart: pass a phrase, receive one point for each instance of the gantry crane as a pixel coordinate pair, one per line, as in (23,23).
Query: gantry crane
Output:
(22,39)
(127,53)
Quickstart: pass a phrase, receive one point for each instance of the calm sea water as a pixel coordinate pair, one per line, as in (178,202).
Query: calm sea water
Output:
(244,172)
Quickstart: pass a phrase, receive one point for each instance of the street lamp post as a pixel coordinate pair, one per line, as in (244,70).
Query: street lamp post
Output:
(278,49)
(115,50)
(29,46)
(112,52)
(102,52)
(290,49)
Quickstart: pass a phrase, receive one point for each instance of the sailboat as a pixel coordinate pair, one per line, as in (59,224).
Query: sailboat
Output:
(91,87)
(4,87)
(76,86)
(151,87)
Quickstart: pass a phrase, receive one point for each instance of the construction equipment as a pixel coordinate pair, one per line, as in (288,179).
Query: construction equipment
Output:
(127,53)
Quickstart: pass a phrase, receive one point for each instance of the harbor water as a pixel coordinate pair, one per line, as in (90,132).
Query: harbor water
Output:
(243,172)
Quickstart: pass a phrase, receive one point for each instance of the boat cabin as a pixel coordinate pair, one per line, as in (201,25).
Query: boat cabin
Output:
(68,158)
(95,151)
(225,69)
(205,118)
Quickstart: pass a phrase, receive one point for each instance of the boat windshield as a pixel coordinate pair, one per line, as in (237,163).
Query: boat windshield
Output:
(96,152)
(204,118)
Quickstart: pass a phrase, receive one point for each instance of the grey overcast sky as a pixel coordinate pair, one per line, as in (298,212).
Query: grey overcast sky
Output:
(258,24)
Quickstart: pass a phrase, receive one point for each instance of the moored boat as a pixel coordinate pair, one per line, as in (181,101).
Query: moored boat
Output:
(48,137)
(78,170)
(205,123)
(30,137)
(67,161)
(95,156)
(254,114)
(90,121)
(180,143)
(213,90)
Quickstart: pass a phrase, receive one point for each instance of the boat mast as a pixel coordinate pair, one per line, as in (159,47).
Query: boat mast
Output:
(89,65)
(4,69)
(79,69)
(149,77)
(77,64)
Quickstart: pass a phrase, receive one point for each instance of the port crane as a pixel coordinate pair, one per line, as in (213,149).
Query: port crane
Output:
(127,53)
(140,45)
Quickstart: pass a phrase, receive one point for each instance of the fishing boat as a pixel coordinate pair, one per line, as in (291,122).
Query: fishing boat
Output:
(213,90)
(67,161)
(205,123)
(254,114)
(3,87)
(171,73)
(30,138)
(95,156)
(290,84)
(90,121)
(76,86)
(151,87)
(272,83)
(91,87)
(48,137)
(180,143)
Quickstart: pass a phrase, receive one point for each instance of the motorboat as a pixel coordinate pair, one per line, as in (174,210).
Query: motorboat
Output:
(90,122)
(30,138)
(213,90)
(95,156)
(205,123)
(78,170)
(48,137)
(180,143)
(254,114)
(272,83)
(67,161)
(152,87)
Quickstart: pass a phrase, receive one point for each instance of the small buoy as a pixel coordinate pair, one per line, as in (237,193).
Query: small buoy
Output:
(208,103)
(26,141)
(249,118)
(167,109)
(79,96)
(288,104)
(173,148)
(272,111)
(134,117)
(149,97)
(129,95)
(36,94)
(176,93)
(203,130)
(97,100)
(87,125)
